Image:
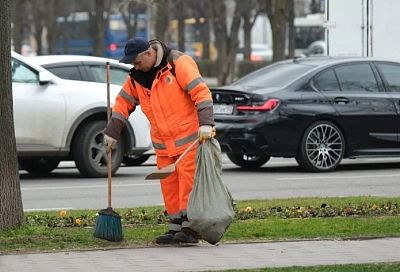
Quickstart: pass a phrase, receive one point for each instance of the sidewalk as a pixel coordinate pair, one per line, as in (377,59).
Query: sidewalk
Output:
(206,257)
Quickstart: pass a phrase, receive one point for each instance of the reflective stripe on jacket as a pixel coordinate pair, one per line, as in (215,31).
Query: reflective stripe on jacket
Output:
(175,105)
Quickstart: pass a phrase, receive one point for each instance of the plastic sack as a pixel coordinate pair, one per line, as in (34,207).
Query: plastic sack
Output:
(210,207)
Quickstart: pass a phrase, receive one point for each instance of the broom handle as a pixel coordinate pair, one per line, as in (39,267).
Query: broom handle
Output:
(109,150)
(186,151)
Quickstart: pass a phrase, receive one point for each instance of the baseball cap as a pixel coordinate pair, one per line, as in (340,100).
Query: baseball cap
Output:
(134,47)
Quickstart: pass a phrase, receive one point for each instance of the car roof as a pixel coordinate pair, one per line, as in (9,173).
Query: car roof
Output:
(34,65)
(28,61)
(57,59)
(315,64)
(325,60)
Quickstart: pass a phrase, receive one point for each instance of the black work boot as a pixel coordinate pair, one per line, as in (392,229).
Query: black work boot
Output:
(186,235)
(166,238)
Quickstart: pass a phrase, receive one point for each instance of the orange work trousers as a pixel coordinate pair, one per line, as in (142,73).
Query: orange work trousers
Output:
(176,187)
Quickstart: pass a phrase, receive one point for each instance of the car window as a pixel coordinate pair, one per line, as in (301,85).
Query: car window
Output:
(23,73)
(326,81)
(66,72)
(117,75)
(277,75)
(391,72)
(357,78)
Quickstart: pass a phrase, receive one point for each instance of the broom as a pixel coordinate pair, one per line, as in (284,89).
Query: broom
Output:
(108,223)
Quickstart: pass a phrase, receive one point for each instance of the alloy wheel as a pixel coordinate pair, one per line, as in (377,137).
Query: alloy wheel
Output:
(324,146)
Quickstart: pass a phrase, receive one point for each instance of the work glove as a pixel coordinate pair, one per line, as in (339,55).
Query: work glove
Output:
(206,132)
(109,142)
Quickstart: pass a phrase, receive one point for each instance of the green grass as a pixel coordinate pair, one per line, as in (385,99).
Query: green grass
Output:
(316,201)
(310,228)
(47,231)
(377,267)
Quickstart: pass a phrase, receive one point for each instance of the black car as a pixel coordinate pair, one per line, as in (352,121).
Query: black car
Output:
(317,110)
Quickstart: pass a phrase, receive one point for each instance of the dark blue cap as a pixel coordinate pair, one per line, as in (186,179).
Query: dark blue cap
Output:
(134,47)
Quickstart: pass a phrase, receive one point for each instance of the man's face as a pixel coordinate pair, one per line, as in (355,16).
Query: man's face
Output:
(144,61)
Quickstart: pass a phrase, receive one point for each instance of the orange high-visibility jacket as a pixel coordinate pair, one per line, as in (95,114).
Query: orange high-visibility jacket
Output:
(178,102)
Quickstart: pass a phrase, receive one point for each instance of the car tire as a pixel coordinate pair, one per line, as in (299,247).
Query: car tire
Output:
(321,148)
(133,160)
(90,153)
(248,161)
(38,166)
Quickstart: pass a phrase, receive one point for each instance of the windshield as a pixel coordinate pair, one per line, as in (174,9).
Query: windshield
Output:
(278,75)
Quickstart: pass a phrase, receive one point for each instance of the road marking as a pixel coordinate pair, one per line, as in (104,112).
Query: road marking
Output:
(341,177)
(49,209)
(87,186)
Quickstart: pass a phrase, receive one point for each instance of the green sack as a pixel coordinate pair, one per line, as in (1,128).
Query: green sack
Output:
(210,208)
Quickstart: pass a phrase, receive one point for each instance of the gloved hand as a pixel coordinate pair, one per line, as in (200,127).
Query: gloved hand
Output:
(206,132)
(109,142)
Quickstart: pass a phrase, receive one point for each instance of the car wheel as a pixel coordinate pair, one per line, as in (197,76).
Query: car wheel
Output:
(90,153)
(248,161)
(38,166)
(133,160)
(322,147)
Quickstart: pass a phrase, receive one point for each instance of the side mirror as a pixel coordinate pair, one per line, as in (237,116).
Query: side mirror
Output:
(44,78)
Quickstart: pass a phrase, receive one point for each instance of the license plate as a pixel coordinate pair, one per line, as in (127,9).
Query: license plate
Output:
(223,109)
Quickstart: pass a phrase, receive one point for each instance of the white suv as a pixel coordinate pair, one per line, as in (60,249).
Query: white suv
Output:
(89,68)
(57,119)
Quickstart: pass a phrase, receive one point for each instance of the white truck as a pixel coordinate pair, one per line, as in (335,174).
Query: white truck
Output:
(363,28)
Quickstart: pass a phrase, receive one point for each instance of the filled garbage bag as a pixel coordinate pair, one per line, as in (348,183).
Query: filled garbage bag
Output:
(210,207)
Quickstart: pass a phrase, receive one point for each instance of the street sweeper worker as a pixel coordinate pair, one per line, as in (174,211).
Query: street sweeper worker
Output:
(172,94)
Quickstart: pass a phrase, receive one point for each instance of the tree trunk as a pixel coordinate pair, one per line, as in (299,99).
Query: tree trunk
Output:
(247,10)
(162,20)
(37,11)
(221,35)
(233,44)
(128,17)
(99,28)
(292,30)
(205,38)
(51,24)
(11,212)
(18,18)
(277,16)
(247,37)
(65,36)
(181,34)
(204,12)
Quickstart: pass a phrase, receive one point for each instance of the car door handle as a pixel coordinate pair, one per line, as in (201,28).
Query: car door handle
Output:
(341,100)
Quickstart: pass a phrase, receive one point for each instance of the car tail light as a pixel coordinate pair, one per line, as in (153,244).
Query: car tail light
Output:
(113,46)
(269,105)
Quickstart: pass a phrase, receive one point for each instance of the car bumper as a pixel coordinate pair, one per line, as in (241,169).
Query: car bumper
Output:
(270,137)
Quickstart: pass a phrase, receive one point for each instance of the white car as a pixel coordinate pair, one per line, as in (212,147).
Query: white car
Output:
(84,68)
(317,48)
(89,68)
(57,119)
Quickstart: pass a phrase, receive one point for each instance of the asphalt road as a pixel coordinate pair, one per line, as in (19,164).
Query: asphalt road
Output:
(279,178)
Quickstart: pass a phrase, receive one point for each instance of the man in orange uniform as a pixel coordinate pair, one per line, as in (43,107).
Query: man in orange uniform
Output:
(172,94)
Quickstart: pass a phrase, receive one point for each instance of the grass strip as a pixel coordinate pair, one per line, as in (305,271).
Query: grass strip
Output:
(375,267)
(255,220)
